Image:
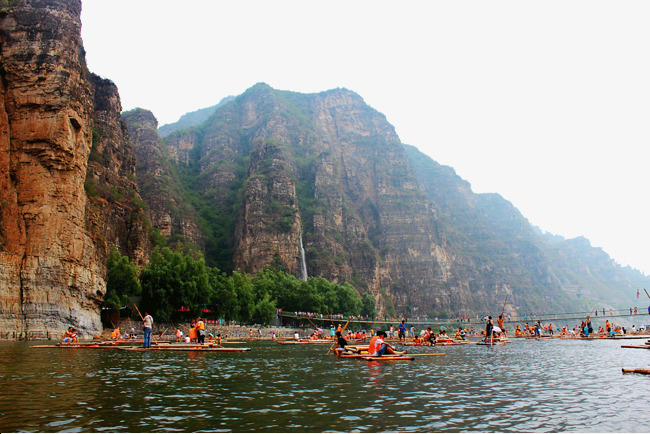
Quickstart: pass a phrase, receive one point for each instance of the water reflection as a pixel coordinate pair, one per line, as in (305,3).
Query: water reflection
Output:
(525,386)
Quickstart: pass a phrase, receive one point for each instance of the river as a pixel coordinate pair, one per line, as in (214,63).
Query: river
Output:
(528,385)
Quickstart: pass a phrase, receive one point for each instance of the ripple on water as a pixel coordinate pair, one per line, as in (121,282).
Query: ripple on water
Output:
(526,386)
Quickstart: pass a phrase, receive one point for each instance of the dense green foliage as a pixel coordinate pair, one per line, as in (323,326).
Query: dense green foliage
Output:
(176,284)
(121,280)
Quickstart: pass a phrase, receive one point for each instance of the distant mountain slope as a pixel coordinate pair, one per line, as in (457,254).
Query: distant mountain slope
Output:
(495,239)
(191,119)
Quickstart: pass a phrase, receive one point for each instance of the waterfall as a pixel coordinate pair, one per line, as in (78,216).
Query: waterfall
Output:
(303,261)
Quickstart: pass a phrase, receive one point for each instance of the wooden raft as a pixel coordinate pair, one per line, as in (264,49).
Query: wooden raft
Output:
(645,371)
(186,348)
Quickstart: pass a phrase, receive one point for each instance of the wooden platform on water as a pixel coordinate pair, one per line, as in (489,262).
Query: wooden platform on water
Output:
(645,371)
(494,342)
(308,342)
(387,358)
(186,348)
(366,355)
(636,346)
(77,347)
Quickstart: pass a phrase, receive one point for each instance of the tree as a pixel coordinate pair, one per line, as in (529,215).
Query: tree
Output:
(121,280)
(172,280)
(264,310)
(349,301)
(368,306)
(243,287)
(224,297)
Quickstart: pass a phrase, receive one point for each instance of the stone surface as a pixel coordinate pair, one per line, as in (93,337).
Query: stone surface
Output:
(51,259)
(167,209)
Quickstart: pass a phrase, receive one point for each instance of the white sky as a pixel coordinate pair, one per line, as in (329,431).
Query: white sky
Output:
(546,103)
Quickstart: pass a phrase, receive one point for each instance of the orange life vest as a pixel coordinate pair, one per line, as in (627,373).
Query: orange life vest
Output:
(371,346)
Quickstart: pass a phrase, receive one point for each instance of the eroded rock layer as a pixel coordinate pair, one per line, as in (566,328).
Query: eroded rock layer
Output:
(51,265)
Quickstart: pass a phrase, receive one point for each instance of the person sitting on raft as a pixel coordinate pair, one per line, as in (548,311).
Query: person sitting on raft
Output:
(380,347)
(341,343)
(69,336)
(518,331)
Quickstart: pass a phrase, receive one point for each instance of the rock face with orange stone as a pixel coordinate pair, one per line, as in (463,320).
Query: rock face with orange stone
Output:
(52,268)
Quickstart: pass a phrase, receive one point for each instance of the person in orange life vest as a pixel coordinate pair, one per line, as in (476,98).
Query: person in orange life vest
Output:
(430,336)
(200,331)
(192,332)
(67,337)
(382,347)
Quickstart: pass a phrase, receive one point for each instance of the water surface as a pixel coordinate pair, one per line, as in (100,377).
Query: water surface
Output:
(549,385)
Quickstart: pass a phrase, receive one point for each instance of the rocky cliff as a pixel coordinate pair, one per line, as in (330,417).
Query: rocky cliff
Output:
(327,167)
(168,210)
(271,167)
(499,252)
(52,240)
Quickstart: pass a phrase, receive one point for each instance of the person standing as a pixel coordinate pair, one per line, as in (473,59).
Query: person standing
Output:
(200,331)
(147,322)
(401,331)
(489,326)
(500,323)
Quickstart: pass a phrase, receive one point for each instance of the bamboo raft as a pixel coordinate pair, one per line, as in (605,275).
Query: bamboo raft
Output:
(388,358)
(156,346)
(307,342)
(78,346)
(495,342)
(645,371)
(452,342)
(186,348)
(646,346)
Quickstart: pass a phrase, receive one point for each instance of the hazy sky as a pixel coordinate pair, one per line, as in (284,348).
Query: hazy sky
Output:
(546,103)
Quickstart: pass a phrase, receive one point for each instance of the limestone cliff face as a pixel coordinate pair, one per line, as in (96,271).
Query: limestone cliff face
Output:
(115,214)
(167,209)
(329,166)
(51,260)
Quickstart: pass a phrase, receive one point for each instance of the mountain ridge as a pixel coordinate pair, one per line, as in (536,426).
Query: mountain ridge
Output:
(290,119)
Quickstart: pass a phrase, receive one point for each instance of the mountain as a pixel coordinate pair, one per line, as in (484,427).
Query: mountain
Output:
(492,240)
(168,209)
(250,182)
(191,119)
(269,167)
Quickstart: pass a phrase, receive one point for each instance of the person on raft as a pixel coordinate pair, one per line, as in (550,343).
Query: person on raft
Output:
(500,322)
(401,331)
(70,336)
(489,329)
(378,347)
(341,343)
